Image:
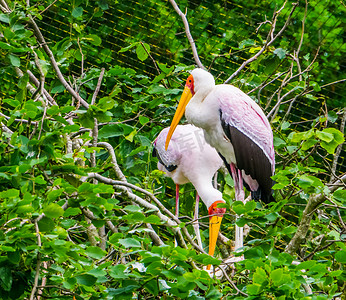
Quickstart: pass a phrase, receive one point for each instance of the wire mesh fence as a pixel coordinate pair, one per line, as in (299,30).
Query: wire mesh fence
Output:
(221,42)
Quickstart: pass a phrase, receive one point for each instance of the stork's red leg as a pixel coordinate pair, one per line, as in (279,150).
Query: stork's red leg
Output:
(177,200)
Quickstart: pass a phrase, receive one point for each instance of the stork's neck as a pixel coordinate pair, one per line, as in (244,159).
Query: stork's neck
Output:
(202,91)
(202,110)
(207,192)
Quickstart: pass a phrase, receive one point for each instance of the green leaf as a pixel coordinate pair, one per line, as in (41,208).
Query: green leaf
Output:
(246,43)
(86,279)
(77,12)
(111,130)
(340,195)
(46,224)
(336,140)
(24,209)
(130,243)
(106,103)
(239,208)
(153,219)
(14,257)
(118,272)
(280,53)
(332,116)
(131,136)
(276,276)
(253,289)
(260,276)
(128,47)
(143,120)
(95,252)
(6,278)
(93,39)
(53,194)
(250,206)
(152,287)
(142,51)
(53,210)
(10,193)
(340,256)
(58,89)
(15,60)
(324,136)
(132,208)
(5,18)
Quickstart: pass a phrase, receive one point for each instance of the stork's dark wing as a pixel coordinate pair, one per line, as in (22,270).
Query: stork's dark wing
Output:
(251,157)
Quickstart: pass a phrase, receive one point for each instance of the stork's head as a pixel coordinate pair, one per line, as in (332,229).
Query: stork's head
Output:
(198,81)
(215,218)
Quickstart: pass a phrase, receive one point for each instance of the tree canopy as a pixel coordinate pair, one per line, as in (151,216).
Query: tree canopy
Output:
(86,86)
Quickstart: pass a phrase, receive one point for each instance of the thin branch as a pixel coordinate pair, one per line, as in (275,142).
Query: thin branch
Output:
(154,62)
(304,224)
(270,37)
(98,86)
(172,222)
(38,263)
(82,61)
(37,83)
(50,54)
(339,148)
(41,12)
(232,283)
(115,165)
(188,34)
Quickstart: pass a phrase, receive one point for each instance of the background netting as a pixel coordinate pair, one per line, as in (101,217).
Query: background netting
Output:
(222,30)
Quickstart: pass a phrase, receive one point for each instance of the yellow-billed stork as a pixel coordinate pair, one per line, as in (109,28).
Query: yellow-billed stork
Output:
(189,158)
(236,127)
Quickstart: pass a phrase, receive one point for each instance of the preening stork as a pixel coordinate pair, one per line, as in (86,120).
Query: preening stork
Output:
(236,127)
(189,158)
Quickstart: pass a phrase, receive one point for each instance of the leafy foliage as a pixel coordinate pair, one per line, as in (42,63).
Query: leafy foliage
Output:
(66,233)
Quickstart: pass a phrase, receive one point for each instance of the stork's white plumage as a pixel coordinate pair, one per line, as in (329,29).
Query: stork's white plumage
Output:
(189,158)
(236,126)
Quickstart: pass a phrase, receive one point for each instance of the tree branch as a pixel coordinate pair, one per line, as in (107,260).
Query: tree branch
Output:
(304,224)
(50,54)
(270,37)
(188,34)
(172,222)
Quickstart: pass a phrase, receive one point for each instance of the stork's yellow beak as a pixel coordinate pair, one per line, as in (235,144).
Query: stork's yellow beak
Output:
(214,228)
(184,100)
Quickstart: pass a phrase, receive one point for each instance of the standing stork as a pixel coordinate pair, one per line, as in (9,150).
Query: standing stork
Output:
(190,159)
(236,127)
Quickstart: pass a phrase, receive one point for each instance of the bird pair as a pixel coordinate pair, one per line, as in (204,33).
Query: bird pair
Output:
(236,128)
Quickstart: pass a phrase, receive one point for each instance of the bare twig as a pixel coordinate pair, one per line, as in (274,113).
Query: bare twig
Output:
(232,283)
(98,86)
(170,221)
(188,34)
(270,39)
(304,224)
(50,54)
(38,263)
(115,165)
(339,148)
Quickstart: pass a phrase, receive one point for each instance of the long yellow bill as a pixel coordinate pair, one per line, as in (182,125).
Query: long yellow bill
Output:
(214,228)
(184,100)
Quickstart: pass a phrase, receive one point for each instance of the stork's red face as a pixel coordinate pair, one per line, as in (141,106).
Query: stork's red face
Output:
(188,92)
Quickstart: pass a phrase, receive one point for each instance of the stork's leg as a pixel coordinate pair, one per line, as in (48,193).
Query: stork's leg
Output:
(239,196)
(196,224)
(176,207)
(177,200)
